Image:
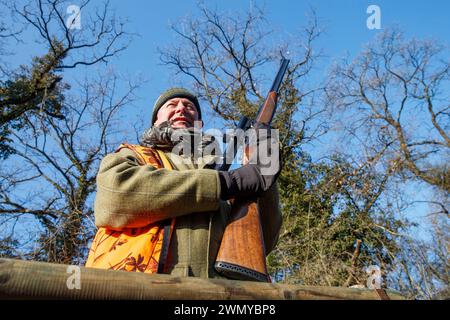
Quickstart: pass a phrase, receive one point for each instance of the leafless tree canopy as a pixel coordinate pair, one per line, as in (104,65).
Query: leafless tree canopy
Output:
(39,88)
(395,92)
(55,132)
(222,55)
(100,37)
(394,102)
(60,159)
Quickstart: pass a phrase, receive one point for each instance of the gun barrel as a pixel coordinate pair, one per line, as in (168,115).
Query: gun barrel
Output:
(244,123)
(279,78)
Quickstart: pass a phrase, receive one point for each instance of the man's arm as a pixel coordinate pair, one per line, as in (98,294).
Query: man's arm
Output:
(271,218)
(134,195)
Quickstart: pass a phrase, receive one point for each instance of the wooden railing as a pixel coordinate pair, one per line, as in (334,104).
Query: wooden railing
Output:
(39,280)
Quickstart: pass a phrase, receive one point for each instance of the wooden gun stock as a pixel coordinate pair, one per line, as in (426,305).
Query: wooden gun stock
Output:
(242,253)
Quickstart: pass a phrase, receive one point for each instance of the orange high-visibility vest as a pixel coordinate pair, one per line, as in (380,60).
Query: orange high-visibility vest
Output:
(134,249)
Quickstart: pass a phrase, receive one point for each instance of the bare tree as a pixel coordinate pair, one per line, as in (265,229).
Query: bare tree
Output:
(395,95)
(53,132)
(51,177)
(422,268)
(39,88)
(393,106)
(225,57)
(99,37)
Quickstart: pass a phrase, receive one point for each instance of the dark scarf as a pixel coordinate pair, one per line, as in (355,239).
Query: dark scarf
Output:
(167,138)
(159,136)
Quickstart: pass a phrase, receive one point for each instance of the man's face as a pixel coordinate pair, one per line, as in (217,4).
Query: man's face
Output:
(181,113)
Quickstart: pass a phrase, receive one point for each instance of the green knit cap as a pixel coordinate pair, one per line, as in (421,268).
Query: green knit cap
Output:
(175,93)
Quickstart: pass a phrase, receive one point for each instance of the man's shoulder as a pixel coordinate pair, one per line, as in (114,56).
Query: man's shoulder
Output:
(145,154)
(137,148)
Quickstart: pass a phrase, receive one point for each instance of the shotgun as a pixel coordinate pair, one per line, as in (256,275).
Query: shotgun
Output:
(242,253)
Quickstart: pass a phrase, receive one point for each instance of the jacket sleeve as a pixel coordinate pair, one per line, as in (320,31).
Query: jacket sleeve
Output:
(133,195)
(271,218)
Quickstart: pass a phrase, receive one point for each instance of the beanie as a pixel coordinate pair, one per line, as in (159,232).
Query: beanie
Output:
(175,93)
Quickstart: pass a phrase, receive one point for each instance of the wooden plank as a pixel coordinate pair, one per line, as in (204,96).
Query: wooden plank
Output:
(38,280)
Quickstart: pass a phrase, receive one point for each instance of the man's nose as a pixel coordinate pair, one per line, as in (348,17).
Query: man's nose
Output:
(181,107)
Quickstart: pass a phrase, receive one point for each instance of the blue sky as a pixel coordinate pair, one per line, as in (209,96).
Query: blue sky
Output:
(344,24)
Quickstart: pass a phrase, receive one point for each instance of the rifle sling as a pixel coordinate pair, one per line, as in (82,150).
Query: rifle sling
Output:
(169,224)
(165,247)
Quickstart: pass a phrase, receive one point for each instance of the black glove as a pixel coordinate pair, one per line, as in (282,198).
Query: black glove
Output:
(245,182)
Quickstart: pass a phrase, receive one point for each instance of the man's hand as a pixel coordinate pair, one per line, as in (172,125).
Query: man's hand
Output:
(245,182)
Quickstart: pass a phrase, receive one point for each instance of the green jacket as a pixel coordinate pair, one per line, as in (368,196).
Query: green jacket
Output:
(134,195)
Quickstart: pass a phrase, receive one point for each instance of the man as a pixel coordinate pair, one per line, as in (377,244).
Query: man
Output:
(187,200)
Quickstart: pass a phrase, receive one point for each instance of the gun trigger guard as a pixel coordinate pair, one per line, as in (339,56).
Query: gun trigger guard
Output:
(252,124)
